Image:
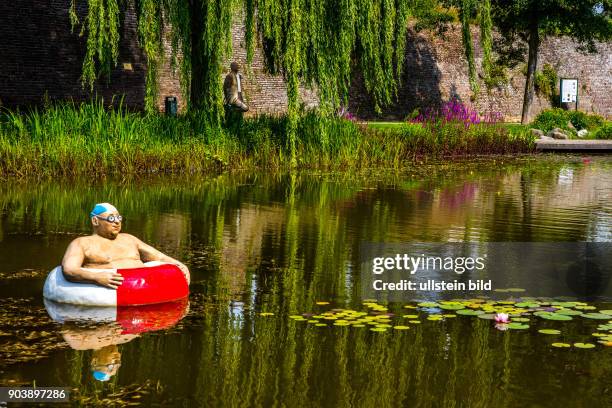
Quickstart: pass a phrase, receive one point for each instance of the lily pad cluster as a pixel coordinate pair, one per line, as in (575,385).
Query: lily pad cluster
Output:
(515,315)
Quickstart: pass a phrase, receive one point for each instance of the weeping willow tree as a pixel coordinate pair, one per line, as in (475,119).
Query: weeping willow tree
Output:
(311,42)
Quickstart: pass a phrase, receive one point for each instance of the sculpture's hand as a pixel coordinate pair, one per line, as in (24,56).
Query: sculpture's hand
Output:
(110,280)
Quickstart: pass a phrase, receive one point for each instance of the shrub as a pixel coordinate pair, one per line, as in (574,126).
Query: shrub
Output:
(546,83)
(581,120)
(604,132)
(549,119)
(559,118)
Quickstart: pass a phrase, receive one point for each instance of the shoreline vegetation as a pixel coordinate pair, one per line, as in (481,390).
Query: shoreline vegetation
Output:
(89,140)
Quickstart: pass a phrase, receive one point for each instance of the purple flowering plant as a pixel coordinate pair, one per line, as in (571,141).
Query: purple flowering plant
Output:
(455,111)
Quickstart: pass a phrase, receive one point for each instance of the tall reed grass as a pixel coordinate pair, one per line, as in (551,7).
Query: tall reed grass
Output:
(88,139)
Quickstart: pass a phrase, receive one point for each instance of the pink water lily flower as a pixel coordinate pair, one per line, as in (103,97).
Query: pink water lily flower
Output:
(502,318)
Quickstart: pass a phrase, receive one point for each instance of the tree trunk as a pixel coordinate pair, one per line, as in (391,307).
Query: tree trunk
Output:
(197,67)
(532,63)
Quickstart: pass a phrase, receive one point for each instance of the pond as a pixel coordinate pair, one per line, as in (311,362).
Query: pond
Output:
(264,247)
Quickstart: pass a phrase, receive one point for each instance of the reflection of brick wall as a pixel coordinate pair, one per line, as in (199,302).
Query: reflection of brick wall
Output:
(436,69)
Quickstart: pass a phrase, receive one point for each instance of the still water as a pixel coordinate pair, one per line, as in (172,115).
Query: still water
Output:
(278,244)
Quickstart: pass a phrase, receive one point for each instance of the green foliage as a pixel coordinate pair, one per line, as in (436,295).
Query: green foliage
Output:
(87,139)
(581,120)
(604,132)
(309,41)
(150,32)
(486,37)
(560,118)
(546,83)
(102,28)
(468,47)
(549,119)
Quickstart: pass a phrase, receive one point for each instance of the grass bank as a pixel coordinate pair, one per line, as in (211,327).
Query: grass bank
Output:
(88,139)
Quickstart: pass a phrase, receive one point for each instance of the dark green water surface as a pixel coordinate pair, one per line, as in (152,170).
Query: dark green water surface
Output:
(281,243)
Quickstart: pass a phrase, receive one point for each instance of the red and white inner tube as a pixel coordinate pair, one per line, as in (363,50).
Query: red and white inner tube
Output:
(153,283)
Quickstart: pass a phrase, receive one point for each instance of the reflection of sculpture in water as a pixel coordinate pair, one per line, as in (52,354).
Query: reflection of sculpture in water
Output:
(112,326)
(103,340)
(232,90)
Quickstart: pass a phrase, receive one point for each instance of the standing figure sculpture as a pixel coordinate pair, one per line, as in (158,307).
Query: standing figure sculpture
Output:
(232,89)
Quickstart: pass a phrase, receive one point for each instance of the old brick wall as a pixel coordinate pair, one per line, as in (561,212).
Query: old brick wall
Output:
(40,57)
(436,70)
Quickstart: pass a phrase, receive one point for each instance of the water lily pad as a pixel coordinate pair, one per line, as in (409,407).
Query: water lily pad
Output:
(549,331)
(320,324)
(322,303)
(359,325)
(517,326)
(410,307)
(450,316)
(383,325)
(561,345)
(296,317)
(553,316)
(469,312)
(486,316)
(401,327)
(584,345)
(452,306)
(378,329)
(596,316)
(266,314)
(568,312)
(527,304)
(585,308)
(428,304)
(606,312)
(410,316)
(414,321)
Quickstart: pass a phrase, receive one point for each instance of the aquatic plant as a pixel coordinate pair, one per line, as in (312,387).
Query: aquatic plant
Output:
(502,318)
(455,111)
(379,317)
(70,139)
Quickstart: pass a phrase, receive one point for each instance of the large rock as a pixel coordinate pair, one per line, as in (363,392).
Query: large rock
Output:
(537,133)
(557,133)
(582,133)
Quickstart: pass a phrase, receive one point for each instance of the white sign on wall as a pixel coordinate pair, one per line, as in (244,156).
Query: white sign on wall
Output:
(569,90)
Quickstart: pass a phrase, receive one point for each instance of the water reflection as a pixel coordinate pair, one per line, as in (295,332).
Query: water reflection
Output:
(280,243)
(102,329)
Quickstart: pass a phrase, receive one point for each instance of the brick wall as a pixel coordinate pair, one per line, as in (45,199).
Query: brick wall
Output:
(264,93)
(40,56)
(436,70)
